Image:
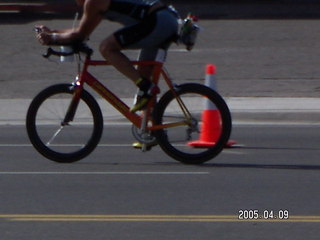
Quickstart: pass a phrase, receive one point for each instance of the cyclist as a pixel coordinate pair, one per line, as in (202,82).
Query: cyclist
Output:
(148,25)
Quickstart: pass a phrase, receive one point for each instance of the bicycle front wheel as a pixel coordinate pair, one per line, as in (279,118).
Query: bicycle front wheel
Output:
(197,120)
(59,141)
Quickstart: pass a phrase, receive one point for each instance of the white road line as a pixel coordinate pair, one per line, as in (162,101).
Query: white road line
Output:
(274,123)
(69,145)
(74,145)
(104,173)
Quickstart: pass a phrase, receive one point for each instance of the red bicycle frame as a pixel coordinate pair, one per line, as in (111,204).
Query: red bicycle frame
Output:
(86,77)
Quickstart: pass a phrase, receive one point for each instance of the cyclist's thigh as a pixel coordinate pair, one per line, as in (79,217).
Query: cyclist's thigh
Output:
(156,29)
(153,36)
(165,28)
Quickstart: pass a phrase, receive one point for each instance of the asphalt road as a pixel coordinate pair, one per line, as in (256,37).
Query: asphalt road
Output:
(120,193)
(259,58)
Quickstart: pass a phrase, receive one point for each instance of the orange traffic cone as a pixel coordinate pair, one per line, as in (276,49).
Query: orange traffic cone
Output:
(211,121)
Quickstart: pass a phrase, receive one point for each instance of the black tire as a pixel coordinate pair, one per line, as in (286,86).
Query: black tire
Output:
(175,141)
(75,140)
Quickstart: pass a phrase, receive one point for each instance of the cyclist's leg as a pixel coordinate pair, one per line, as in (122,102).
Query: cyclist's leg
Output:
(151,50)
(150,54)
(129,37)
(110,49)
(153,46)
(149,33)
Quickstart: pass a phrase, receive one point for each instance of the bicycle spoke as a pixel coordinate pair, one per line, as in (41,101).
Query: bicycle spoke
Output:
(56,139)
(54,136)
(203,132)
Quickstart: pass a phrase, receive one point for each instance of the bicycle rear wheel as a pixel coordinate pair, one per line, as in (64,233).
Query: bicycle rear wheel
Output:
(64,143)
(197,134)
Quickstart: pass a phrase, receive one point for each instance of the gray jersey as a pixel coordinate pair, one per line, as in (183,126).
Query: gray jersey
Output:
(128,11)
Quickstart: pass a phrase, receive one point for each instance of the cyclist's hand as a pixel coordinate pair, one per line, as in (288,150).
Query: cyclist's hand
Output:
(42,28)
(44,38)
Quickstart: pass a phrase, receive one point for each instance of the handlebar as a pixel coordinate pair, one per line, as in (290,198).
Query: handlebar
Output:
(75,49)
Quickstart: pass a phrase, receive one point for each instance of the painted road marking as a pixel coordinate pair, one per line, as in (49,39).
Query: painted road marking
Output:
(67,145)
(147,218)
(245,122)
(104,173)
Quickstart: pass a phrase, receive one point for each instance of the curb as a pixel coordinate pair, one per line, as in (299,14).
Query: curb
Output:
(243,110)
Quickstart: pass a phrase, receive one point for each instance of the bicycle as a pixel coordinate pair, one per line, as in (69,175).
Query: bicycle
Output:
(64,122)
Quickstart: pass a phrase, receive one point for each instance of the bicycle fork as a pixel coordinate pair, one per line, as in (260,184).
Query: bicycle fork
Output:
(69,114)
(77,87)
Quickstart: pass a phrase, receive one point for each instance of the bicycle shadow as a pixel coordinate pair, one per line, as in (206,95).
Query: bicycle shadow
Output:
(263,166)
(168,162)
(211,165)
(266,166)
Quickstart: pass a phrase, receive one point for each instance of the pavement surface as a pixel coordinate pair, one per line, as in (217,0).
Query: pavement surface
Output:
(120,193)
(254,58)
(267,70)
(263,66)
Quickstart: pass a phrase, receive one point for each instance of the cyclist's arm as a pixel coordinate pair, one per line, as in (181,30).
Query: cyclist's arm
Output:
(90,19)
